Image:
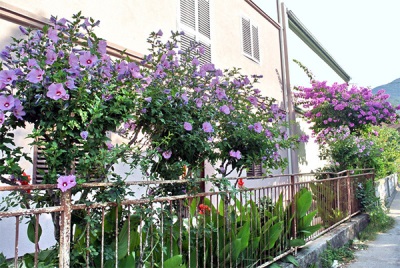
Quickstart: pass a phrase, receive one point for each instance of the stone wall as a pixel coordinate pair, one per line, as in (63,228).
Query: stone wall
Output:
(385,188)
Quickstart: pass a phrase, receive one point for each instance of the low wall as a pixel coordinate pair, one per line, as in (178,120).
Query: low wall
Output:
(386,187)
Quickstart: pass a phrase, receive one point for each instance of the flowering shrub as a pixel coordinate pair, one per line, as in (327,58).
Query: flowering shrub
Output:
(340,105)
(173,111)
(341,118)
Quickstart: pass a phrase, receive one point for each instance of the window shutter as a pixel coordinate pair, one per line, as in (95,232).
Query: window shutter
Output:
(186,41)
(256,47)
(39,165)
(188,13)
(206,57)
(246,32)
(255,170)
(204,17)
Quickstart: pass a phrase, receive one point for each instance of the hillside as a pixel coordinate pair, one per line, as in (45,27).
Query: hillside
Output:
(393,89)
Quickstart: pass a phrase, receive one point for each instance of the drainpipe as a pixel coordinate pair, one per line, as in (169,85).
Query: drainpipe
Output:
(287,94)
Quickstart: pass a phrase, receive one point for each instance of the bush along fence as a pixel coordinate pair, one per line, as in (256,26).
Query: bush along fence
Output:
(237,228)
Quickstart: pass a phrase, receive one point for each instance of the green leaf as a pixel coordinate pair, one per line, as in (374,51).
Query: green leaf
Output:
(128,262)
(31,231)
(291,259)
(244,235)
(304,201)
(175,261)
(193,206)
(307,219)
(273,234)
(297,242)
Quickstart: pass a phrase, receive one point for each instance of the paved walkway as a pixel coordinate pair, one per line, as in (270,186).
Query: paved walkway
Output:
(384,252)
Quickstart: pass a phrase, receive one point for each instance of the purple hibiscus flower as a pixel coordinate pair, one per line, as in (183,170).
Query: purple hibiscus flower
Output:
(35,76)
(32,63)
(87,59)
(207,127)
(6,103)
(51,57)
(258,127)
(225,109)
(18,109)
(56,91)
(53,35)
(84,134)
(7,76)
(102,47)
(66,182)
(253,100)
(187,126)
(73,61)
(167,154)
(235,154)
(70,83)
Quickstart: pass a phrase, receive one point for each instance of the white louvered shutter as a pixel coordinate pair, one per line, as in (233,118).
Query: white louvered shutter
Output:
(256,46)
(246,35)
(188,13)
(187,41)
(206,57)
(204,17)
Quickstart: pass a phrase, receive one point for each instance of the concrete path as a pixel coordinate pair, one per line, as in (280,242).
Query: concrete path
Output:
(384,252)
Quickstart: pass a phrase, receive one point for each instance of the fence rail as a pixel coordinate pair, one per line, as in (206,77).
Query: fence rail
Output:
(248,226)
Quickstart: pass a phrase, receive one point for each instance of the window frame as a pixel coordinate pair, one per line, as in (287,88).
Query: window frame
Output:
(252,25)
(195,33)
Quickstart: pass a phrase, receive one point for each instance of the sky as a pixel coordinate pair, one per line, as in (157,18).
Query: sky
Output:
(363,36)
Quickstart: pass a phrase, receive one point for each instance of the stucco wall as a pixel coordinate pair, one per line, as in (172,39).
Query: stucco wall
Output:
(385,188)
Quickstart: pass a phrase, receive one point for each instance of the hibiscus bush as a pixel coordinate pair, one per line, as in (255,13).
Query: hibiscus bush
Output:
(172,111)
(345,121)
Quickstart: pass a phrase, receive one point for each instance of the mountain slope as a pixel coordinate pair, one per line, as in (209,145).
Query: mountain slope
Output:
(393,89)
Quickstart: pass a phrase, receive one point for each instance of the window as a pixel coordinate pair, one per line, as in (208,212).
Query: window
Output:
(251,46)
(255,170)
(195,22)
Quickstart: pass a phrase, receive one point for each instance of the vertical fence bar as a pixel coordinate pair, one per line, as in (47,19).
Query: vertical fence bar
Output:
(36,240)
(116,236)
(65,231)
(87,238)
(348,184)
(292,193)
(102,237)
(16,241)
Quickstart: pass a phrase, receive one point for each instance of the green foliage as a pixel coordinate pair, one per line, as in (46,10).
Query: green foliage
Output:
(342,255)
(325,195)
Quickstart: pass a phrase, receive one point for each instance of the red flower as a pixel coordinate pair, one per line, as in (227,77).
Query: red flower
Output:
(203,209)
(24,180)
(240,183)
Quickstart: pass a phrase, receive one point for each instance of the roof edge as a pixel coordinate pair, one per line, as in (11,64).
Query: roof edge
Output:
(305,35)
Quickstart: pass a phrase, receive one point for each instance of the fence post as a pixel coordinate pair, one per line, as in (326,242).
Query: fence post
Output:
(292,194)
(65,230)
(349,197)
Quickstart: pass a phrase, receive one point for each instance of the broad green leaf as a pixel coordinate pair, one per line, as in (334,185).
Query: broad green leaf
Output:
(297,242)
(307,219)
(31,231)
(244,235)
(273,234)
(193,206)
(175,261)
(303,203)
(127,262)
(291,259)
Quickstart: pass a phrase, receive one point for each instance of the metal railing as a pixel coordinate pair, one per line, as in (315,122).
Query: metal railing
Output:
(243,227)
